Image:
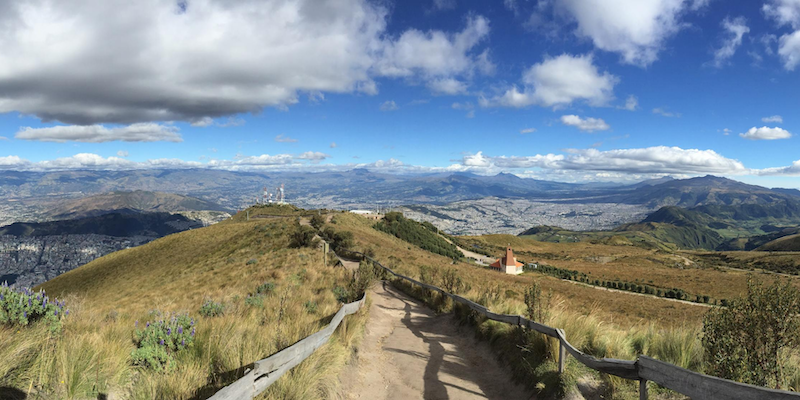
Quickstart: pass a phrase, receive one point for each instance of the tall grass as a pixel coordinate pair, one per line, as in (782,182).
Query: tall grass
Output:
(91,356)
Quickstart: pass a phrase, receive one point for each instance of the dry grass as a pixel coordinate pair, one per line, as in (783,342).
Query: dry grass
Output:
(176,274)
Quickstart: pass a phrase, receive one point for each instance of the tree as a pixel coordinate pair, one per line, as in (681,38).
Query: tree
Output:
(317,221)
(743,341)
(303,236)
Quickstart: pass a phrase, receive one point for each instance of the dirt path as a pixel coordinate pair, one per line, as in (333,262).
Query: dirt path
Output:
(409,352)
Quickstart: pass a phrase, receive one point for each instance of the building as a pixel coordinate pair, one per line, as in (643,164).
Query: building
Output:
(508,263)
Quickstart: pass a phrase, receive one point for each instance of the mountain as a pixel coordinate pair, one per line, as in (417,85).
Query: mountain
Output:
(785,243)
(129,202)
(119,225)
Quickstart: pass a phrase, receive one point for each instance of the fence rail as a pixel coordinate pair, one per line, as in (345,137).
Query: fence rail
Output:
(643,369)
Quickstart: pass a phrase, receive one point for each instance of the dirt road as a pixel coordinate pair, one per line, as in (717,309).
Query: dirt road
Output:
(409,352)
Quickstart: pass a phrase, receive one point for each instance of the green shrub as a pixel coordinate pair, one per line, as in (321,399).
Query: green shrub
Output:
(265,288)
(22,307)
(311,307)
(744,341)
(212,309)
(537,305)
(453,283)
(342,294)
(251,261)
(394,223)
(317,221)
(161,338)
(303,236)
(255,300)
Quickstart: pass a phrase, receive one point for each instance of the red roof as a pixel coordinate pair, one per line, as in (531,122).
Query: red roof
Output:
(504,261)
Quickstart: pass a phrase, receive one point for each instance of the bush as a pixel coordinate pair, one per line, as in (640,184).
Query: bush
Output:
(743,342)
(341,293)
(452,283)
(317,221)
(22,307)
(265,288)
(158,342)
(251,261)
(537,305)
(255,300)
(394,223)
(303,236)
(311,307)
(212,309)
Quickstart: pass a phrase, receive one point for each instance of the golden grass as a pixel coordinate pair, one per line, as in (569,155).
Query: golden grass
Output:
(176,274)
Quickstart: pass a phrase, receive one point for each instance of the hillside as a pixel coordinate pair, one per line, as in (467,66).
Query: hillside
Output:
(271,296)
(120,225)
(786,243)
(137,201)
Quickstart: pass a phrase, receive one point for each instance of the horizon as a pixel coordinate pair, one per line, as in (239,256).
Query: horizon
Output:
(538,90)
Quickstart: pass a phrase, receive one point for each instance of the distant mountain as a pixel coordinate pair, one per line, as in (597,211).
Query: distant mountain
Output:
(129,202)
(119,225)
(786,243)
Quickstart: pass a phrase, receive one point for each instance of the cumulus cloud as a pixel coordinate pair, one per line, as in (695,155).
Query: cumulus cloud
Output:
(766,133)
(527,130)
(585,124)
(284,139)
(631,103)
(650,160)
(559,81)
(735,29)
(447,86)
(636,29)
(116,61)
(140,132)
(122,153)
(777,119)
(664,113)
(314,156)
(786,12)
(389,105)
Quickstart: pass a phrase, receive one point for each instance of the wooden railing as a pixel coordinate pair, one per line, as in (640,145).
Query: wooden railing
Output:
(643,369)
(265,372)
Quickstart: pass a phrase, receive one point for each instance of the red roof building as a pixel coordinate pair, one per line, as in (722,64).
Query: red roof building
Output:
(508,263)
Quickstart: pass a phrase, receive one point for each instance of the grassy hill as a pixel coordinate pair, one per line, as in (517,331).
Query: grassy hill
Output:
(114,295)
(131,202)
(785,243)
(121,225)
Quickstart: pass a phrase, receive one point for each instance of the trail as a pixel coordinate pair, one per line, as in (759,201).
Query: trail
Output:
(409,352)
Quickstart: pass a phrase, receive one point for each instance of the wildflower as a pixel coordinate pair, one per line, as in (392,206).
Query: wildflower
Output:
(180,330)
(162,342)
(136,324)
(192,331)
(24,314)
(183,342)
(148,325)
(169,331)
(56,313)
(66,312)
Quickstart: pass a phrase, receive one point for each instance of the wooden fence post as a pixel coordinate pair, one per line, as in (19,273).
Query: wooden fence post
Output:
(642,389)
(562,353)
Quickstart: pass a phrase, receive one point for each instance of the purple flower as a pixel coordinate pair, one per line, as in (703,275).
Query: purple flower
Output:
(136,324)
(24,314)
(169,331)
(180,330)
(183,342)
(148,325)
(29,302)
(66,312)
(162,342)
(56,313)
(192,322)
(192,331)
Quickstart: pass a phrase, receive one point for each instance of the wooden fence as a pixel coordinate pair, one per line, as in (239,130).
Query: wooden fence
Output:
(643,369)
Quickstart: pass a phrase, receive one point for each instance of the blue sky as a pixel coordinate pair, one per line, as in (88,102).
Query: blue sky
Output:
(571,90)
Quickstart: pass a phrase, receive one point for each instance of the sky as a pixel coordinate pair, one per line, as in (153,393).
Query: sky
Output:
(567,90)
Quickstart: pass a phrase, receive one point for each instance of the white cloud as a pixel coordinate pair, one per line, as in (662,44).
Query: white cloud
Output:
(789,50)
(444,4)
(726,132)
(116,61)
(389,105)
(527,130)
(437,57)
(792,170)
(559,81)
(333,145)
(12,162)
(447,86)
(3,138)
(664,113)
(784,12)
(284,139)
(636,29)
(140,132)
(313,156)
(631,103)
(650,160)
(765,133)
(586,125)
(773,119)
(735,29)
(122,153)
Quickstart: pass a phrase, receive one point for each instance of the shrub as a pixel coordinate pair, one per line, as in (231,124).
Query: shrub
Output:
(22,307)
(394,223)
(311,307)
(251,261)
(255,300)
(212,309)
(537,305)
(743,341)
(341,294)
(453,283)
(303,236)
(317,221)
(265,288)
(158,342)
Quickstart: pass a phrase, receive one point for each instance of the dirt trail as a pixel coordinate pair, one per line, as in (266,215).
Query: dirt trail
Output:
(409,352)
